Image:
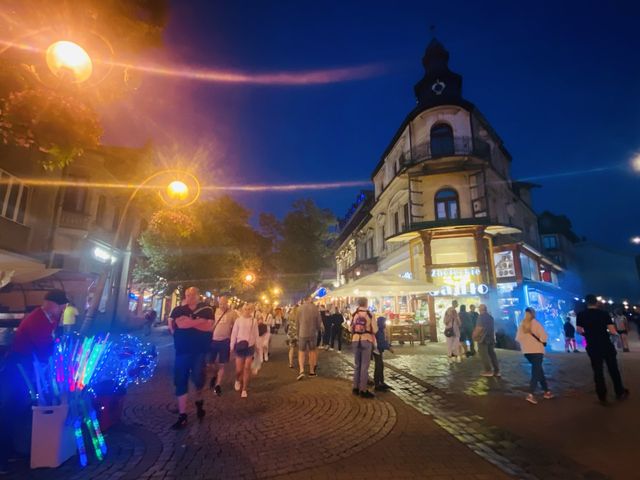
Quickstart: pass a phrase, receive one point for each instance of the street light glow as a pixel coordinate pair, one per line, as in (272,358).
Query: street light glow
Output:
(249,278)
(635,162)
(65,57)
(635,240)
(178,190)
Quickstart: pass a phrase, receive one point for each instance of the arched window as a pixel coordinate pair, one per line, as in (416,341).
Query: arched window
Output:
(447,205)
(441,140)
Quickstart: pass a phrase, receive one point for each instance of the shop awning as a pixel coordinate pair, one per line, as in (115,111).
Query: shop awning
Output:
(19,268)
(382,284)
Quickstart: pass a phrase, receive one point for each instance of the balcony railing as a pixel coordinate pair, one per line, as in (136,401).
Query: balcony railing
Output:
(75,220)
(448,148)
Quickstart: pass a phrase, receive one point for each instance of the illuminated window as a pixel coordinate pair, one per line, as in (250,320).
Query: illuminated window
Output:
(447,205)
(441,140)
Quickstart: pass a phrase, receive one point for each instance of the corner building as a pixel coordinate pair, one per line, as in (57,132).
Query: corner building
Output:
(446,213)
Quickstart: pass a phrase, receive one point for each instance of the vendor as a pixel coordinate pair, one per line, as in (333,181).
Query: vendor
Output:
(34,338)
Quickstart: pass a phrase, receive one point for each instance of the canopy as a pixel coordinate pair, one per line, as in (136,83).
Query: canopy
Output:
(382,284)
(19,268)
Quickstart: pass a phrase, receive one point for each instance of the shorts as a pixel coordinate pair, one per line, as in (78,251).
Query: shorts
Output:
(292,342)
(220,351)
(248,352)
(307,343)
(188,365)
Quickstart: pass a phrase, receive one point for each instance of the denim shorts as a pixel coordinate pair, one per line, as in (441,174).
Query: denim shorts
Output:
(307,343)
(189,365)
(220,350)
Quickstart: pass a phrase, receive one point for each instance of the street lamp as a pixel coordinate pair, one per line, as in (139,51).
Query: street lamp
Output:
(635,240)
(178,190)
(249,278)
(65,58)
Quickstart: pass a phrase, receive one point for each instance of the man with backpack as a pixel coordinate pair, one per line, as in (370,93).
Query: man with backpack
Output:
(363,330)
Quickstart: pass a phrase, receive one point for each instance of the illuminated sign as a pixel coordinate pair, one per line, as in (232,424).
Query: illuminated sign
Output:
(406,275)
(504,264)
(454,272)
(103,255)
(461,289)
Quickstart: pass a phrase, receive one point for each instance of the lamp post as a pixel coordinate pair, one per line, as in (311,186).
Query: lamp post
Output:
(177,190)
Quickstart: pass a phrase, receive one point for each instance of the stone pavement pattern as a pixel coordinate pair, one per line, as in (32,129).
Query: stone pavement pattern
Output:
(314,428)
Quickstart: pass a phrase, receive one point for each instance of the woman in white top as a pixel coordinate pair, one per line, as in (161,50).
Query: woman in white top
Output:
(243,342)
(533,339)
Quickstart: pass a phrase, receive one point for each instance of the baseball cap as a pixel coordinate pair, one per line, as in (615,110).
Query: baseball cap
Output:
(56,296)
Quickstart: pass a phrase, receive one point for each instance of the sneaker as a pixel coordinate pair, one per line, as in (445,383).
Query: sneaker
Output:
(548,395)
(355,391)
(330,349)
(486,374)
(181,423)
(244,394)
(381,388)
(386,387)
(237,386)
(624,395)
(497,374)
(366,394)
(218,390)
(291,366)
(300,376)
(313,374)
(200,409)
(531,399)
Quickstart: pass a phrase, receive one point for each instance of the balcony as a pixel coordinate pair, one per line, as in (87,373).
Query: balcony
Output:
(452,147)
(75,220)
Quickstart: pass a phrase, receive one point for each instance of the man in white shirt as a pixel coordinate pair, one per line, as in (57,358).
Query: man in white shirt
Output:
(224,318)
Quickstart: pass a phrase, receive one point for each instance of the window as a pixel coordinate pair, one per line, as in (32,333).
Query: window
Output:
(529,267)
(396,223)
(550,242)
(13,197)
(100,210)
(75,198)
(441,140)
(446,201)
(370,247)
(407,220)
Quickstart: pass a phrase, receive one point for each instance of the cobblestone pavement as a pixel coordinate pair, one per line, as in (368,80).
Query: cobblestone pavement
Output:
(313,428)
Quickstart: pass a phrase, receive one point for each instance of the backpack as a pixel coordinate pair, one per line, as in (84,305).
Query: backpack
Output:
(359,323)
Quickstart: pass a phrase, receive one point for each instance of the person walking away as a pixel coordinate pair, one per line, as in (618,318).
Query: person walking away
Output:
(244,336)
(336,329)
(309,327)
(33,342)
(378,362)
(533,339)
(69,318)
(622,327)
(278,320)
(466,331)
(292,335)
(326,329)
(569,336)
(472,315)
(223,319)
(193,324)
(596,326)
(452,332)
(484,334)
(363,331)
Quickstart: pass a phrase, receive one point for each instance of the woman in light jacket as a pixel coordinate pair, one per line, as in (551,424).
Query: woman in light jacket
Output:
(243,342)
(533,339)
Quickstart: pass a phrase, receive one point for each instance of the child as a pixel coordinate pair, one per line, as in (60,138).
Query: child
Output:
(382,344)
(569,336)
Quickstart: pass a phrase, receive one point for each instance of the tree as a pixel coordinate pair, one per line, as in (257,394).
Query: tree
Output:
(38,111)
(210,247)
(301,243)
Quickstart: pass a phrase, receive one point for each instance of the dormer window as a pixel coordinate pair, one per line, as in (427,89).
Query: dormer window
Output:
(441,140)
(447,204)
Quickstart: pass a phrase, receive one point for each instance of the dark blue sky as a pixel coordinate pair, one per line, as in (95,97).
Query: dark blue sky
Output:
(559,81)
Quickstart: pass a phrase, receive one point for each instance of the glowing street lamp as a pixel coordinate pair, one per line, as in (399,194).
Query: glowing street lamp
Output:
(635,240)
(178,190)
(277,291)
(66,58)
(249,278)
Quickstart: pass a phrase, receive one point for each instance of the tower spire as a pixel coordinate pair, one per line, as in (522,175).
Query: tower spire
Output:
(439,84)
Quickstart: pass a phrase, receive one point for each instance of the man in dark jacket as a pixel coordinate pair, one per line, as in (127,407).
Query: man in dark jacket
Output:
(382,344)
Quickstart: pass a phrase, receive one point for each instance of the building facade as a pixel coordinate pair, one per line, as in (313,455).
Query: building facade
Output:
(446,213)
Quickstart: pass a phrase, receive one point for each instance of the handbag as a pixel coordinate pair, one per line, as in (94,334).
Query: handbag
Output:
(448,332)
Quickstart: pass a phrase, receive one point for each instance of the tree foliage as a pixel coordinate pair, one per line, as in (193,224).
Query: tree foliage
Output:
(38,111)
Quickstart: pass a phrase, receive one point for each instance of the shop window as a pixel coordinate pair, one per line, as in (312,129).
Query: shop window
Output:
(441,140)
(446,251)
(550,242)
(447,204)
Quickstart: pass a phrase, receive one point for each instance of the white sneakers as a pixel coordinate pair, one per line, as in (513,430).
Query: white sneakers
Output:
(237,386)
(547,396)
(244,394)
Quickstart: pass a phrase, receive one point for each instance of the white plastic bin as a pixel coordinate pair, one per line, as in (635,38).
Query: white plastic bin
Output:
(52,437)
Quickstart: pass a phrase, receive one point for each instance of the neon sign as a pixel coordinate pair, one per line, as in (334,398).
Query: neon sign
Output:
(454,272)
(461,289)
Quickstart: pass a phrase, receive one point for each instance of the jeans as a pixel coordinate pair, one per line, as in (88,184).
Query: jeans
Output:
(488,356)
(597,358)
(362,351)
(336,334)
(378,369)
(537,373)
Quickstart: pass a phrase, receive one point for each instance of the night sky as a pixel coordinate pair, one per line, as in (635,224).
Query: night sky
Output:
(559,81)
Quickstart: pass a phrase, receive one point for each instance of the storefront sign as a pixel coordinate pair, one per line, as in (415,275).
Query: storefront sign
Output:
(504,264)
(460,290)
(454,272)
